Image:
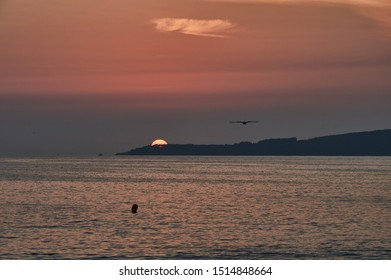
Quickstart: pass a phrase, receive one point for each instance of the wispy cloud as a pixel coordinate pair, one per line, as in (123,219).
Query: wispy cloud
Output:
(352,2)
(199,27)
(376,10)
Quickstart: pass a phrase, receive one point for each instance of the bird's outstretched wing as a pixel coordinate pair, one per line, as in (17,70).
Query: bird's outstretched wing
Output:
(243,122)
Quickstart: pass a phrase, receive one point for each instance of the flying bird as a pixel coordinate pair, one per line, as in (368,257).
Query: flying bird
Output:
(243,122)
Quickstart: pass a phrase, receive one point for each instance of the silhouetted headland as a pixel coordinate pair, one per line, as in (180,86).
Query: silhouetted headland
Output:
(371,143)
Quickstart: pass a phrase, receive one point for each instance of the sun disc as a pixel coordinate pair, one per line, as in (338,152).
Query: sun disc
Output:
(159,142)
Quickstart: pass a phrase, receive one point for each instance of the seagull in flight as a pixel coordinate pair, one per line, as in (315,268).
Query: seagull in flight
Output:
(243,122)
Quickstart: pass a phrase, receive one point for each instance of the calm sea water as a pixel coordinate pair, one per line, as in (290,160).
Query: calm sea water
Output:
(196,208)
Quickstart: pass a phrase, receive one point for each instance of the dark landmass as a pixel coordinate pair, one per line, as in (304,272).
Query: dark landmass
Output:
(372,143)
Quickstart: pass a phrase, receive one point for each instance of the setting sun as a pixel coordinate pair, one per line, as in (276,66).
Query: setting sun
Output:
(159,142)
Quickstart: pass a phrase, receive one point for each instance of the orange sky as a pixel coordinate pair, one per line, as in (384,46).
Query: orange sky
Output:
(198,55)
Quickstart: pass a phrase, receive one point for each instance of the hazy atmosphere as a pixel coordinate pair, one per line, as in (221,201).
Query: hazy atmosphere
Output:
(93,76)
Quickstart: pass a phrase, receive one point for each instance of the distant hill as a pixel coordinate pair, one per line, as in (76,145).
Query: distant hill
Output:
(370,143)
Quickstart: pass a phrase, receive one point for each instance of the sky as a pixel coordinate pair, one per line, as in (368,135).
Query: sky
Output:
(82,77)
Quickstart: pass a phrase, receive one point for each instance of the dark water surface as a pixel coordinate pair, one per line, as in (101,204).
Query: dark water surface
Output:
(196,208)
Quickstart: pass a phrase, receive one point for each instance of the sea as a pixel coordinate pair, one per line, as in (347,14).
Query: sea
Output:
(221,208)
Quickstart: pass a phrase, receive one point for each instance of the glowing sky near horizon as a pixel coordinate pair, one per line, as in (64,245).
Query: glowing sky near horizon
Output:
(121,73)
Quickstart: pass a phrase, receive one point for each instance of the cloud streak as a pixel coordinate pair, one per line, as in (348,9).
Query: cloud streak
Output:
(199,27)
(378,3)
(376,10)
